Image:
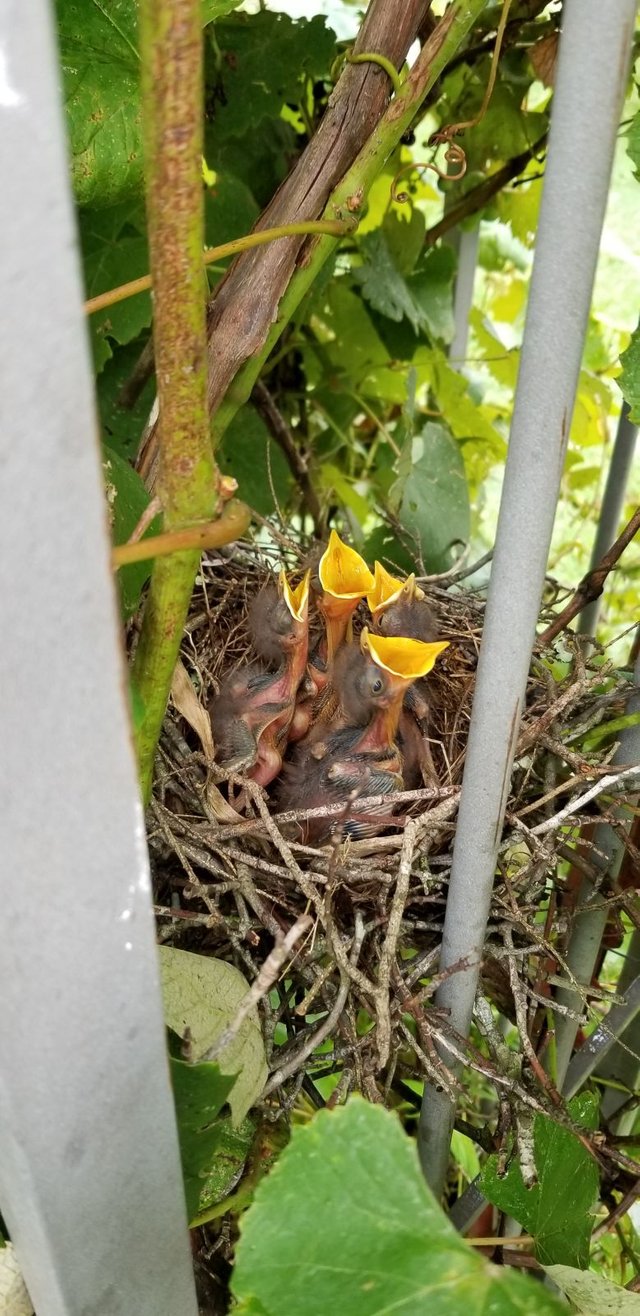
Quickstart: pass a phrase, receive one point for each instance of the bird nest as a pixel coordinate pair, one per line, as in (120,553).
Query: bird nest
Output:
(357,924)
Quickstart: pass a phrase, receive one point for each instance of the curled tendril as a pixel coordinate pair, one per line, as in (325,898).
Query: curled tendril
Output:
(454,155)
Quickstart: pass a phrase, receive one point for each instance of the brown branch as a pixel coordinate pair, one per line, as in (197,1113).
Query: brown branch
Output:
(478,197)
(245,303)
(277,426)
(592,585)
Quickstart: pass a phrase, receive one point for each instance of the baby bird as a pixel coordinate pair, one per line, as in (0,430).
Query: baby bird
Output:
(251,715)
(399,608)
(344,578)
(358,755)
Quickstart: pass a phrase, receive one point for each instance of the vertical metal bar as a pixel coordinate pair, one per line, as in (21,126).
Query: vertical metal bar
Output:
(592,67)
(90,1180)
(467,249)
(611,510)
(591,912)
(621,1063)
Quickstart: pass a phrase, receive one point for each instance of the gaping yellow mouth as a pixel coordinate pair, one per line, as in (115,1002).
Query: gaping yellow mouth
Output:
(387,589)
(343,572)
(297,600)
(402,657)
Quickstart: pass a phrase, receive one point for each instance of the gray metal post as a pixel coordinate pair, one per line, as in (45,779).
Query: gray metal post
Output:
(591,77)
(591,912)
(90,1181)
(467,249)
(611,510)
(621,1062)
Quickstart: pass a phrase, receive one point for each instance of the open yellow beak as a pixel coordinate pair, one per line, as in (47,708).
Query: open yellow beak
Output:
(408,659)
(387,589)
(297,600)
(343,572)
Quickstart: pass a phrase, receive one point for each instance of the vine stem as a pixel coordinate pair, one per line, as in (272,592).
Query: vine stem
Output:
(211,534)
(334,227)
(349,196)
(172,101)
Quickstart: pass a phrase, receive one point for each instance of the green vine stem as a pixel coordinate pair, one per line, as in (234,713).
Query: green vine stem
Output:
(336,227)
(348,197)
(172,100)
(230,525)
(370,57)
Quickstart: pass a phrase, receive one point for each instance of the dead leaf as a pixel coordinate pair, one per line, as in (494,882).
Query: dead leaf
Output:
(543,56)
(202,995)
(188,705)
(14,1299)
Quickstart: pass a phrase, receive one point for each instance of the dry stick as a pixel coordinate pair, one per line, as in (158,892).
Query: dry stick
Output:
(258,296)
(592,585)
(581,800)
(263,983)
(276,424)
(326,1027)
(383,1030)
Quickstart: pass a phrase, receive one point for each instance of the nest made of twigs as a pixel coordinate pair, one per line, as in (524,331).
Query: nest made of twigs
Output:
(230,888)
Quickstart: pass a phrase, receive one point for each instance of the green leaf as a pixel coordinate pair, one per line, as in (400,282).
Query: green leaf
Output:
(629,380)
(265,60)
(127,498)
(230,210)
(345,1223)
(425,298)
(431,286)
(115,250)
(592,1294)
(199,1092)
(100,69)
(431,495)
(202,995)
(404,234)
(213,9)
(557,1210)
(250,455)
(123,426)
(633,144)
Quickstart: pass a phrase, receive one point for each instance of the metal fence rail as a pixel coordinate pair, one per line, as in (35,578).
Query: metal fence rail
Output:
(591,77)
(90,1181)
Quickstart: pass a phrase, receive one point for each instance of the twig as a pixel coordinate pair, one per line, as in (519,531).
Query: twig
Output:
(316,1038)
(276,424)
(478,197)
(228,527)
(612,779)
(262,984)
(592,585)
(387,957)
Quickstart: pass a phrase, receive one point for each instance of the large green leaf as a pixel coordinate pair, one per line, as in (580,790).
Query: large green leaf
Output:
(115,250)
(431,495)
(127,498)
(201,995)
(265,59)
(101,75)
(345,1223)
(123,426)
(629,380)
(250,455)
(558,1209)
(594,1295)
(100,68)
(424,298)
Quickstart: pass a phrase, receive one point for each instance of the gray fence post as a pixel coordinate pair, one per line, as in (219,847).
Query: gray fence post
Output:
(611,510)
(594,51)
(90,1181)
(467,251)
